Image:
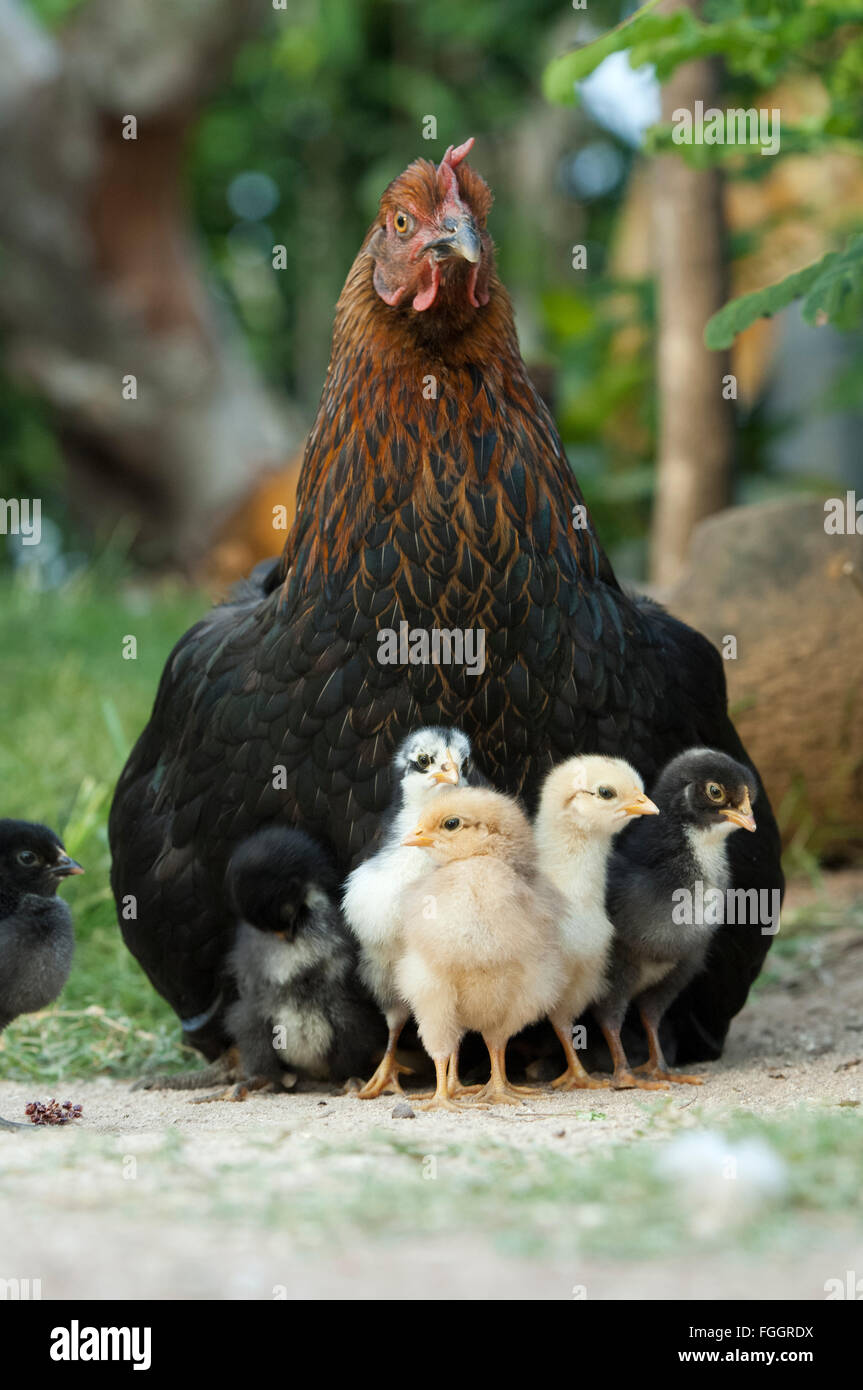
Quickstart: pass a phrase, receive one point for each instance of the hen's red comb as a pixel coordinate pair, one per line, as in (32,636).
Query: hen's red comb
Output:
(446,169)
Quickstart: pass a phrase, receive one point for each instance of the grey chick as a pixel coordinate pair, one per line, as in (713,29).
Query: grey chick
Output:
(427,761)
(37,940)
(666,896)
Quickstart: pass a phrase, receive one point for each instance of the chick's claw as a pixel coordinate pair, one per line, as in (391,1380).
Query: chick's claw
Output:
(660,1074)
(576,1081)
(627,1081)
(386,1078)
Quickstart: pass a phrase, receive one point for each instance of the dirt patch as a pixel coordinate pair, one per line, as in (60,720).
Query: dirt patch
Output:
(150,1184)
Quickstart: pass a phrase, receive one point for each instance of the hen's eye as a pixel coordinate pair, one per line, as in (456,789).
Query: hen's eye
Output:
(423,761)
(401,222)
(715,792)
(27,858)
(452,824)
(607,793)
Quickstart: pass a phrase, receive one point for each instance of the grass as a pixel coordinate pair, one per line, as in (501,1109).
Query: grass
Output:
(74,707)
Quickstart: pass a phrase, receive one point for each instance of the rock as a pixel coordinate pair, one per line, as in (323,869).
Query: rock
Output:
(403,1111)
(770,577)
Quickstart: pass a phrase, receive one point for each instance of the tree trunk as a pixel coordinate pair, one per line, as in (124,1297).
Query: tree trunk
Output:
(102,279)
(696,424)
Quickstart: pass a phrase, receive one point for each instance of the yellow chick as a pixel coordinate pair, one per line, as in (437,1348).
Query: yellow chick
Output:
(482,945)
(584,803)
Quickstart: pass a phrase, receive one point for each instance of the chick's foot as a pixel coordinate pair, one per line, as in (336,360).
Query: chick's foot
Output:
(386,1078)
(442,1100)
(655,1073)
(628,1081)
(499,1090)
(574,1077)
(224,1070)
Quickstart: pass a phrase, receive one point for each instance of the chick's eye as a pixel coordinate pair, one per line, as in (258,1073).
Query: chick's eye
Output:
(27,858)
(401,222)
(607,793)
(423,761)
(715,792)
(452,823)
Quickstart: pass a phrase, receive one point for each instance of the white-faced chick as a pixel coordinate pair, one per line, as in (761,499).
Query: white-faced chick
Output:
(482,945)
(428,761)
(584,803)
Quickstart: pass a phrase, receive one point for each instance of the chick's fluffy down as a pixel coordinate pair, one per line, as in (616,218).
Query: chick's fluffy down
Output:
(482,952)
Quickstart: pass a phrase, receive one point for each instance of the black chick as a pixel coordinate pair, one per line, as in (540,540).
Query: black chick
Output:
(300,1003)
(667,894)
(37,940)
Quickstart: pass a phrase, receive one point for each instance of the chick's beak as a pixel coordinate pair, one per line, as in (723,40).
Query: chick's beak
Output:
(461,239)
(448,770)
(66,867)
(418,839)
(740,815)
(641,805)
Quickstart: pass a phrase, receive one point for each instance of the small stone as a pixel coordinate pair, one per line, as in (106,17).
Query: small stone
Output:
(403,1111)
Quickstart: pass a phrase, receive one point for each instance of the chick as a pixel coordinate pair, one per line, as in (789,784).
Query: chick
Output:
(426,762)
(300,1006)
(37,940)
(481,943)
(584,803)
(659,944)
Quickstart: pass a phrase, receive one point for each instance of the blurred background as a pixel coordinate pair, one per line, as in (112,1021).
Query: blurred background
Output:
(183,187)
(260,128)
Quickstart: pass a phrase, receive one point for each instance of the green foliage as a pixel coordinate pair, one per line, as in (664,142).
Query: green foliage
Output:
(831,289)
(757,39)
(759,43)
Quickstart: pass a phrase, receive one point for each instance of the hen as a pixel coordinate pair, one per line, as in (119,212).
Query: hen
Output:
(435,494)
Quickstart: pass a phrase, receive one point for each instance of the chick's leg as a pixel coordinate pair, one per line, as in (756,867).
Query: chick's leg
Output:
(386,1077)
(574,1078)
(656,1067)
(498,1090)
(442,1100)
(623,1078)
(454,1085)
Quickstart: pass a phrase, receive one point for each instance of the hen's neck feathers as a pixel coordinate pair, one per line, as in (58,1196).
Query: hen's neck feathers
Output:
(481,454)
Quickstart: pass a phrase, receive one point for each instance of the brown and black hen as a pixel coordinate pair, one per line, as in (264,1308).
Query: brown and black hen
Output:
(435,493)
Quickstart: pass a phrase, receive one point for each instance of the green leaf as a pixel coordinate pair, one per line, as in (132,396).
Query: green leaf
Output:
(561,75)
(831,287)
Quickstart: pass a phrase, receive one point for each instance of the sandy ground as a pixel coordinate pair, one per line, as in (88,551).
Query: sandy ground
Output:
(140,1199)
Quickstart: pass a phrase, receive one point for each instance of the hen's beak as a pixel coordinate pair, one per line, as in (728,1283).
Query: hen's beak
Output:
(448,770)
(66,867)
(740,815)
(418,839)
(641,805)
(462,239)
